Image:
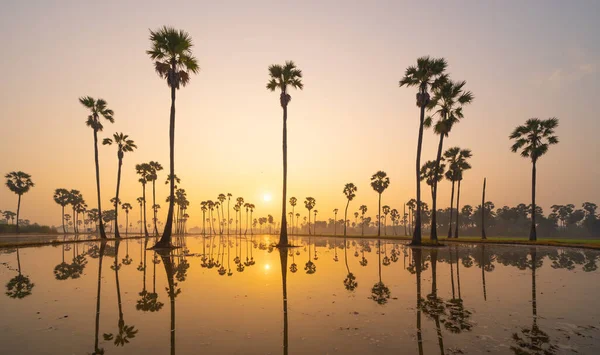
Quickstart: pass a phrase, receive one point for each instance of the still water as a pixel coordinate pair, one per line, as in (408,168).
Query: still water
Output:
(238,295)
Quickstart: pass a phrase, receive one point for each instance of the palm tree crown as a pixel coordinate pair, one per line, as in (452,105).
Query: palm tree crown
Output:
(19,182)
(380,181)
(450,99)
(97,109)
(534,137)
(124,144)
(428,73)
(283,76)
(172,55)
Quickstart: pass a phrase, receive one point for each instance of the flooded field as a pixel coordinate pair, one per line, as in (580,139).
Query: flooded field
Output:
(238,295)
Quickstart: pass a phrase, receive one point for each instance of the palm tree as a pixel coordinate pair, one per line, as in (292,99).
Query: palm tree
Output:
(449,98)
(97,109)
(123,145)
(451,156)
(61,196)
(428,73)
(126,207)
(141,201)
(315,222)
(75,198)
(432,173)
(533,139)
(144,171)
(350,192)
(386,211)
(222,199)
(280,77)
(173,60)
(156,167)
(363,210)
(293,202)
(309,203)
(379,182)
(229,195)
(461,166)
(19,183)
(335,212)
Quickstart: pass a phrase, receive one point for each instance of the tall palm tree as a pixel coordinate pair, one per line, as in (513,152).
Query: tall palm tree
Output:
(428,73)
(222,199)
(309,203)
(173,60)
(386,210)
(282,77)
(461,166)
(293,202)
(144,171)
(97,110)
(61,196)
(350,192)
(19,183)
(156,167)
(533,139)
(124,144)
(126,207)
(379,182)
(449,99)
(335,212)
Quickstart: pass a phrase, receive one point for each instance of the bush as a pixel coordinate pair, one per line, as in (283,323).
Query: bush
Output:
(32,228)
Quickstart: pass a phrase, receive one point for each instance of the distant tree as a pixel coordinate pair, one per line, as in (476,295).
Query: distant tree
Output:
(97,110)
(61,197)
(171,53)
(379,182)
(75,199)
(363,210)
(460,167)
(431,174)
(153,176)
(428,73)
(386,211)
(282,77)
(533,140)
(20,183)
(293,202)
(309,203)
(350,193)
(144,170)
(126,207)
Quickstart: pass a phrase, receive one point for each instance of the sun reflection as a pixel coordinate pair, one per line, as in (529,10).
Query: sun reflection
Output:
(267,266)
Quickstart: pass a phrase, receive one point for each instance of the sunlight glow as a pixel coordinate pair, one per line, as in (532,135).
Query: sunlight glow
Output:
(267,197)
(267,266)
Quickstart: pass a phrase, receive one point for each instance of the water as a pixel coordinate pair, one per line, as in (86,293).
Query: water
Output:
(473,299)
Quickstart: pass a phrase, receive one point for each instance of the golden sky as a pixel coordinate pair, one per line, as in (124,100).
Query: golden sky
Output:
(537,59)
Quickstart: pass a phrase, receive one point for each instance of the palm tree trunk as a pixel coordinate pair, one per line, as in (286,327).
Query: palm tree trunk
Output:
(117,235)
(165,240)
(144,198)
(416,240)
(483,236)
(18,210)
(379,217)
(404,219)
(308,222)
(63,219)
(457,209)
(127,222)
(533,232)
(283,238)
(451,210)
(417,261)
(434,237)
(102,233)
(153,206)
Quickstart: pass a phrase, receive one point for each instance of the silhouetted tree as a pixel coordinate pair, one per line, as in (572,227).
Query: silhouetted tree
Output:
(97,109)
(19,183)
(379,182)
(123,145)
(173,60)
(61,197)
(309,203)
(533,140)
(428,73)
(282,77)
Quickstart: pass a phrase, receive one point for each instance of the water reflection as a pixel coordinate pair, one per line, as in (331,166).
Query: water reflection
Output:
(466,298)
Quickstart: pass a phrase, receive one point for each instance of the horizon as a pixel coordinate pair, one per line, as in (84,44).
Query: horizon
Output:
(351,118)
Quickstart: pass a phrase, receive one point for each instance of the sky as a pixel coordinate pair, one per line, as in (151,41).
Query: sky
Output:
(520,60)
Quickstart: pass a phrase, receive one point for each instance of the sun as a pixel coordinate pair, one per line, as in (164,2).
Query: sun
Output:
(267,197)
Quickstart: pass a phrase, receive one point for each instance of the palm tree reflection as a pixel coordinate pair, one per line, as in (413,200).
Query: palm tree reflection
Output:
(380,293)
(19,286)
(167,260)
